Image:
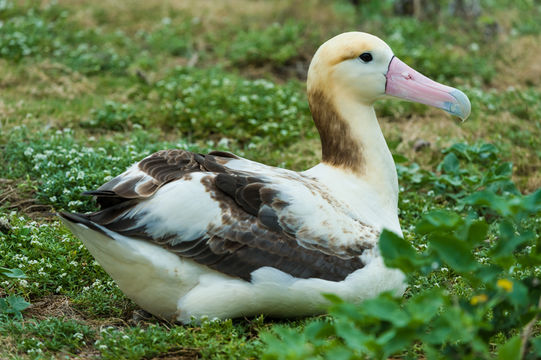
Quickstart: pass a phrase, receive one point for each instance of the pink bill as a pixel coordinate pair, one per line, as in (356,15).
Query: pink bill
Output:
(406,83)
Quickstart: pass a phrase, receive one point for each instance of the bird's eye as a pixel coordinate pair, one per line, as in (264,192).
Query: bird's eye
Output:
(366,57)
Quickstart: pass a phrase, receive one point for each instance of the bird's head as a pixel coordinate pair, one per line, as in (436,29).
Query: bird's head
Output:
(363,68)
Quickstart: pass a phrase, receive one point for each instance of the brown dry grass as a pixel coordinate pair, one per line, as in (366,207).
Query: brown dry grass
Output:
(132,15)
(8,347)
(43,80)
(522,66)
(22,199)
(53,306)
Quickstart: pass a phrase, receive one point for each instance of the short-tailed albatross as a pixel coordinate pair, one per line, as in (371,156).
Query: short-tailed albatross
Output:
(189,236)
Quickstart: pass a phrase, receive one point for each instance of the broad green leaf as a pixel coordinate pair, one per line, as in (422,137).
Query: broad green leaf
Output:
(487,151)
(491,200)
(424,306)
(433,353)
(347,310)
(451,180)
(488,273)
(319,329)
(536,344)
(13,304)
(397,340)
(341,353)
(353,337)
(12,273)
(17,303)
(504,170)
(284,342)
(398,159)
(386,308)
(333,298)
(511,349)
(519,294)
(450,164)
(397,252)
(509,241)
(457,254)
(532,202)
(441,331)
(459,148)
(438,220)
(477,232)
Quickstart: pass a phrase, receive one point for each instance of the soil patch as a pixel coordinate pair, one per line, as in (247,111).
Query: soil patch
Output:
(22,200)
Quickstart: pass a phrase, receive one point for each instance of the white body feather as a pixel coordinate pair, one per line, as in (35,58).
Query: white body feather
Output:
(177,288)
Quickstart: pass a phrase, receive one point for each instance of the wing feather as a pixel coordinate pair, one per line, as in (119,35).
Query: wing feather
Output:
(270,218)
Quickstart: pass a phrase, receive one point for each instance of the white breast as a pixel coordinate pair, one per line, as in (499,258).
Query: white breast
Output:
(359,195)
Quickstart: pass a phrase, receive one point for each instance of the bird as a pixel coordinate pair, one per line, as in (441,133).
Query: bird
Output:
(190,236)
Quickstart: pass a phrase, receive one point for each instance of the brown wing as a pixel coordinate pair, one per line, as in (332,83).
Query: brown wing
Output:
(250,236)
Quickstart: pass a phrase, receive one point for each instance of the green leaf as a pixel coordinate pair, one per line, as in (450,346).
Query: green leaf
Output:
(424,306)
(12,273)
(489,199)
(386,308)
(519,295)
(13,304)
(341,353)
(17,303)
(532,202)
(397,252)
(477,232)
(319,329)
(398,159)
(353,337)
(536,344)
(487,150)
(488,273)
(333,298)
(457,254)
(509,241)
(347,310)
(505,170)
(511,349)
(459,148)
(396,340)
(450,164)
(438,220)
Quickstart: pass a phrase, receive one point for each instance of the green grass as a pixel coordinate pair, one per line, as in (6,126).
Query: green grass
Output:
(88,88)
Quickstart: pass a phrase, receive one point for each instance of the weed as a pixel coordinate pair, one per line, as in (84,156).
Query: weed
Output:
(276,44)
(66,168)
(51,335)
(447,325)
(114,116)
(215,104)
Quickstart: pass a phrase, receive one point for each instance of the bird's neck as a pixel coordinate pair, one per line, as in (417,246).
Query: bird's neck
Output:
(352,140)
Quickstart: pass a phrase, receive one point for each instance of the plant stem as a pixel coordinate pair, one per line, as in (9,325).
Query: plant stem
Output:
(528,331)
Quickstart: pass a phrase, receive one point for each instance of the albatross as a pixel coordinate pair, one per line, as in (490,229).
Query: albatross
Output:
(192,236)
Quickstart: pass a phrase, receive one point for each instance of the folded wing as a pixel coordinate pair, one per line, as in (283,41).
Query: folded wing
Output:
(233,215)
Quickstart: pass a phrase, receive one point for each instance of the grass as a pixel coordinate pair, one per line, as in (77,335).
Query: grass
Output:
(89,88)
